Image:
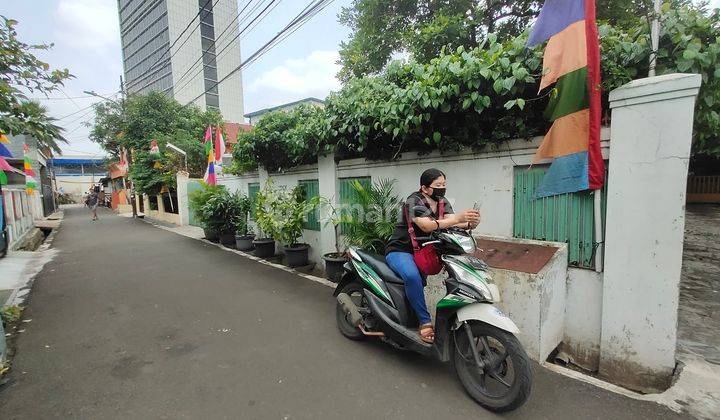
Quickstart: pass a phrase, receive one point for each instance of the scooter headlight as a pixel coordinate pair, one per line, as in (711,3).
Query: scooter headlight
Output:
(473,279)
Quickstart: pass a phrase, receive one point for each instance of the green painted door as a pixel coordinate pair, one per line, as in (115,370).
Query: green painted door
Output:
(253,189)
(565,218)
(311,189)
(349,196)
(192,219)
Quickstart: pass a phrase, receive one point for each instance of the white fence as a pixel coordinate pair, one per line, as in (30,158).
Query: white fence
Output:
(21,210)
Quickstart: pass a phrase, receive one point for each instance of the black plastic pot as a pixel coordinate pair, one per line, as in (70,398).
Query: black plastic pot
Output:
(244,242)
(296,255)
(227,239)
(334,266)
(264,248)
(211,235)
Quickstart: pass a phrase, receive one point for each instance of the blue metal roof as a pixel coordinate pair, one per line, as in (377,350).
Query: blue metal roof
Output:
(61,161)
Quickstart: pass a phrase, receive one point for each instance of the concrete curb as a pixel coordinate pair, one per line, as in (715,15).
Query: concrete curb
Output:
(316,279)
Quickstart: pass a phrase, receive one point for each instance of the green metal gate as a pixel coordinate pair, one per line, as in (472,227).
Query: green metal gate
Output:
(311,188)
(253,189)
(192,218)
(349,196)
(565,218)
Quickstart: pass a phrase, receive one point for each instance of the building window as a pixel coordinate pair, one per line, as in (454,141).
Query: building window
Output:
(311,189)
(568,218)
(253,190)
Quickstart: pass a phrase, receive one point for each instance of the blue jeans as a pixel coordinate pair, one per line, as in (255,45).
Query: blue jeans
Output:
(403,264)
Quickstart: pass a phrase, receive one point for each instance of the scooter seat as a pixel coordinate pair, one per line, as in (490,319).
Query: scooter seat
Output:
(378,263)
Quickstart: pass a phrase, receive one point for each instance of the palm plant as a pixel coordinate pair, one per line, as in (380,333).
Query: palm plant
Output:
(371,222)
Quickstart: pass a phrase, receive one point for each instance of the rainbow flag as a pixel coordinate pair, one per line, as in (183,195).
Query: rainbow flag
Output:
(209,177)
(4,166)
(572,64)
(30,183)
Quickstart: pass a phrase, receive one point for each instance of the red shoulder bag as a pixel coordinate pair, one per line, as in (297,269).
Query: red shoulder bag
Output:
(426,257)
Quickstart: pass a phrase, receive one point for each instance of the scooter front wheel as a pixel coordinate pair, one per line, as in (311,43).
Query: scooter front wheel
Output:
(504,380)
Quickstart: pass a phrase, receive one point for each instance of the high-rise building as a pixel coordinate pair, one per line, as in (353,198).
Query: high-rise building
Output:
(160,54)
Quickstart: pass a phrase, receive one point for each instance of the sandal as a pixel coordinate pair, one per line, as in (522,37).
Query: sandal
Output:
(427,333)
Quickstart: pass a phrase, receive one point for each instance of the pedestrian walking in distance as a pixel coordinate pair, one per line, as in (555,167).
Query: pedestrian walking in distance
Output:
(93,201)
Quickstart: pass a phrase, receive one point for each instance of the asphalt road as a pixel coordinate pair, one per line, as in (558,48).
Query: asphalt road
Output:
(133,322)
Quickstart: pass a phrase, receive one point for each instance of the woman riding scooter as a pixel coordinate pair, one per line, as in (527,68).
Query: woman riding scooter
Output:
(429,210)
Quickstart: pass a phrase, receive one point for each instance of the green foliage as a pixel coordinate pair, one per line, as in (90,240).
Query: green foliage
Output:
(21,71)
(372,221)
(281,140)
(10,314)
(245,205)
(280,212)
(198,198)
(136,121)
(459,99)
(223,211)
(267,216)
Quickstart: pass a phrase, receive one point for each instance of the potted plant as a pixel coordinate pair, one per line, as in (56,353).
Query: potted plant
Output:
(223,211)
(292,210)
(334,261)
(243,232)
(197,200)
(266,202)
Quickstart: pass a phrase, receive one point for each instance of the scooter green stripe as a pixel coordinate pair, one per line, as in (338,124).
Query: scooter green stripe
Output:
(453,301)
(369,276)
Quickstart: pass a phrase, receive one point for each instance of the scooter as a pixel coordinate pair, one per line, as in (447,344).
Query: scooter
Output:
(470,332)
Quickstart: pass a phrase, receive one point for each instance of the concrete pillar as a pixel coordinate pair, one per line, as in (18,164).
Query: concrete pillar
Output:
(182,180)
(328,188)
(262,176)
(652,121)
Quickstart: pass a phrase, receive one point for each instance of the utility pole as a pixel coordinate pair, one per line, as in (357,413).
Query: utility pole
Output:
(654,38)
(122,104)
(133,201)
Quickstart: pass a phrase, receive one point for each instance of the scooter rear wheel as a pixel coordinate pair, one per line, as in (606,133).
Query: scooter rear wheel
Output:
(505,382)
(354,290)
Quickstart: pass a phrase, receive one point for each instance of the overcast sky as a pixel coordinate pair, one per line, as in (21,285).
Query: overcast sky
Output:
(87,41)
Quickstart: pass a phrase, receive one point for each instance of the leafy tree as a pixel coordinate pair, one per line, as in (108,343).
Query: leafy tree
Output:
(423,28)
(133,123)
(689,43)
(21,71)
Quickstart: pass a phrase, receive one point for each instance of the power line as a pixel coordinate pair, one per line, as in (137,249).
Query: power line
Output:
(294,25)
(273,3)
(76,112)
(155,66)
(68,98)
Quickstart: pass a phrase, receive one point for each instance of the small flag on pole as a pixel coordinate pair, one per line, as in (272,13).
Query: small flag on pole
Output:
(219,149)
(209,177)
(30,183)
(155,151)
(572,63)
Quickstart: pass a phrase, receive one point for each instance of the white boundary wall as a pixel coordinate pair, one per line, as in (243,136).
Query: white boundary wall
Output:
(649,173)
(21,211)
